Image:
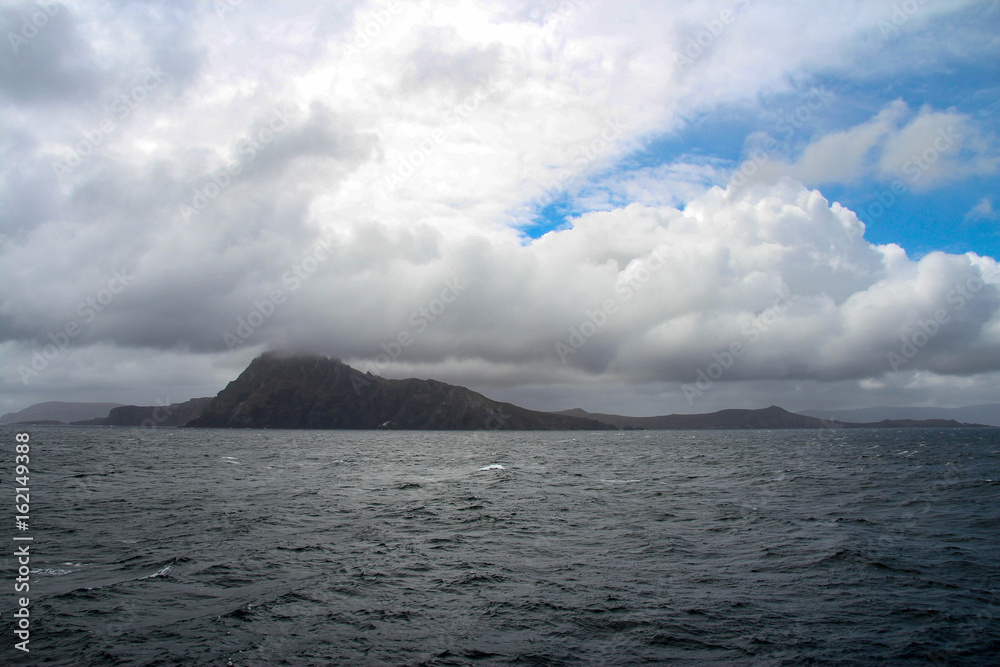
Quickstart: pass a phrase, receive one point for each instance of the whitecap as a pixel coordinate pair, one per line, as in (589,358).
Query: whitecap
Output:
(48,572)
(162,571)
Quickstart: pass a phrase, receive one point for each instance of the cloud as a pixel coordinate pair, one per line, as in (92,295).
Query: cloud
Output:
(355,184)
(937,148)
(673,183)
(844,157)
(683,285)
(45,59)
(982,211)
(922,151)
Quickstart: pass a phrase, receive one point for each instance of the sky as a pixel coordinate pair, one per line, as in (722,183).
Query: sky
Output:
(632,207)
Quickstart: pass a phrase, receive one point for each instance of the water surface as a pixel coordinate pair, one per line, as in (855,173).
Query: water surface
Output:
(219,547)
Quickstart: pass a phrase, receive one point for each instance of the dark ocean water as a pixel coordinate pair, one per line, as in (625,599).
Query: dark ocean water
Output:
(207,547)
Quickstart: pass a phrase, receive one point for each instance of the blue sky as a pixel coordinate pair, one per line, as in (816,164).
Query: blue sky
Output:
(955,215)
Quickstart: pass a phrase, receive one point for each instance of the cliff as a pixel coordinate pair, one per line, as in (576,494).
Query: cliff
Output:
(176,414)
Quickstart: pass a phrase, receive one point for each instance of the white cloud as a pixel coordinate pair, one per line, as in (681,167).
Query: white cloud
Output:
(982,211)
(421,154)
(921,151)
(671,184)
(937,148)
(683,285)
(843,157)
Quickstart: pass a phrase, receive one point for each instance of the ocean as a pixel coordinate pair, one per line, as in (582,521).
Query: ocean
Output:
(232,547)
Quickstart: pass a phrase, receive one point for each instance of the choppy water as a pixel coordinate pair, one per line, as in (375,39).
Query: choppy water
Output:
(206,547)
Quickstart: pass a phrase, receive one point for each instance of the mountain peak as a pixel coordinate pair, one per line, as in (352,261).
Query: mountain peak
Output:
(273,356)
(280,390)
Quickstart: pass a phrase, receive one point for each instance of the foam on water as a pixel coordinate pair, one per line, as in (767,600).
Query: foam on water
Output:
(162,572)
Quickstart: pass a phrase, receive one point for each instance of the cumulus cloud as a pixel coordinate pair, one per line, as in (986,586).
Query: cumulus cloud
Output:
(664,290)
(341,179)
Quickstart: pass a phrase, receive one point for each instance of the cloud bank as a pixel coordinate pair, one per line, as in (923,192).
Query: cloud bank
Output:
(365,181)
